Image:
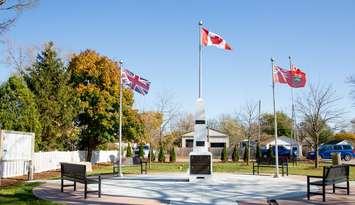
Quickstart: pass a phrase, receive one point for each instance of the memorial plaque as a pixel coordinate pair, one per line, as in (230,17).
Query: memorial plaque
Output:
(200,164)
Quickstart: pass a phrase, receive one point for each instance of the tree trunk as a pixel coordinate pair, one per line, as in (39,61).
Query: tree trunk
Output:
(248,150)
(316,152)
(89,154)
(91,147)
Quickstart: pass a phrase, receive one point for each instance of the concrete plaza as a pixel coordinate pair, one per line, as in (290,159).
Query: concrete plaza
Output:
(172,188)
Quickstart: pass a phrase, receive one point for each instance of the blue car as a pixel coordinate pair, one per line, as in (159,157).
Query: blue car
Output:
(282,151)
(326,150)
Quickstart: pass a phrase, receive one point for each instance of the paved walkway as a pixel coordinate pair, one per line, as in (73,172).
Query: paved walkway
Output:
(51,191)
(223,188)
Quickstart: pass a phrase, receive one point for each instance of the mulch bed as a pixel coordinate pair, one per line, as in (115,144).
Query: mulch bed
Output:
(41,176)
(36,176)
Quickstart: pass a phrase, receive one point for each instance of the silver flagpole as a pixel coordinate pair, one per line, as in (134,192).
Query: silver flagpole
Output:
(275,122)
(120,126)
(292,112)
(200,23)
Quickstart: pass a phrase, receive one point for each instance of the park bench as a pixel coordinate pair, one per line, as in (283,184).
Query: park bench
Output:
(77,173)
(332,175)
(135,161)
(283,165)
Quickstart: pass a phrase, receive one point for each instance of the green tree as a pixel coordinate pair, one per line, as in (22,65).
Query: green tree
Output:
(245,155)
(151,154)
(141,151)
(18,109)
(96,81)
(172,157)
(161,154)
(129,150)
(49,82)
(235,154)
(284,124)
(224,154)
(270,154)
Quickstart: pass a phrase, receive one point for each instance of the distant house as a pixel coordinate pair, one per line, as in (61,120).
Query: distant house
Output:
(286,142)
(214,138)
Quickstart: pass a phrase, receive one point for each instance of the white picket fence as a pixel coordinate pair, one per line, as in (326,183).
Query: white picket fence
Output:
(45,161)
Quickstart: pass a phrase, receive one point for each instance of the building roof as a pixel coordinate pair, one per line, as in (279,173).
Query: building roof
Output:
(335,142)
(283,138)
(211,133)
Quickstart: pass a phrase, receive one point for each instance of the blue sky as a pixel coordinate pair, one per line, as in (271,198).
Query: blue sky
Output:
(159,40)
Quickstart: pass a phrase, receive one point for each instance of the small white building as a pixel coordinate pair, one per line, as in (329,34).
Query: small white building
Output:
(286,142)
(214,138)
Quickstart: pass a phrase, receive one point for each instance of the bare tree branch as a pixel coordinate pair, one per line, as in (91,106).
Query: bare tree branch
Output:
(319,110)
(10,11)
(168,108)
(248,117)
(19,57)
(351,81)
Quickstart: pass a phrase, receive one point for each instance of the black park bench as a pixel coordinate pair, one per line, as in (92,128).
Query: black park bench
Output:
(283,165)
(135,161)
(332,175)
(77,173)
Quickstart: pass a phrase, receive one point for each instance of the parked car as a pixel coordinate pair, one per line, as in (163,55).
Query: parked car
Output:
(325,152)
(282,151)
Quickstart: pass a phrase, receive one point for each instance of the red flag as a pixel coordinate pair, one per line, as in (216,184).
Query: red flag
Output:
(281,75)
(297,78)
(211,39)
(294,78)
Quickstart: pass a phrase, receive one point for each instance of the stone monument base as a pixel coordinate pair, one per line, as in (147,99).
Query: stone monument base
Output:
(200,165)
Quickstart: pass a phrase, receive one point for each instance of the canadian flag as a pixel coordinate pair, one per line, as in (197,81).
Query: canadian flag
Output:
(211,39)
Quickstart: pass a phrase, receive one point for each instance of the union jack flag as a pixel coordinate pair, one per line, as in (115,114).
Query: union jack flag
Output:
(135,82)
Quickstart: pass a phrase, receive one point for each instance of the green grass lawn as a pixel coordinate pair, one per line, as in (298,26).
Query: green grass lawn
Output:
(21,194)
(300,169)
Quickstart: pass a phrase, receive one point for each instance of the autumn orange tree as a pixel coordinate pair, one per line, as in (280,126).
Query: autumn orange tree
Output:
(152,122)
(96,81)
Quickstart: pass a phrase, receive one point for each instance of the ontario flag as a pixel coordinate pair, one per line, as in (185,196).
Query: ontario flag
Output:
(135,82)
(211,39)
(295,78)
(298,78)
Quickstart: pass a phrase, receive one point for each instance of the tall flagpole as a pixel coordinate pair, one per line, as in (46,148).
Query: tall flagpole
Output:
(292,112)
(294,130)
(275,122)
(200,23)
(120,126)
